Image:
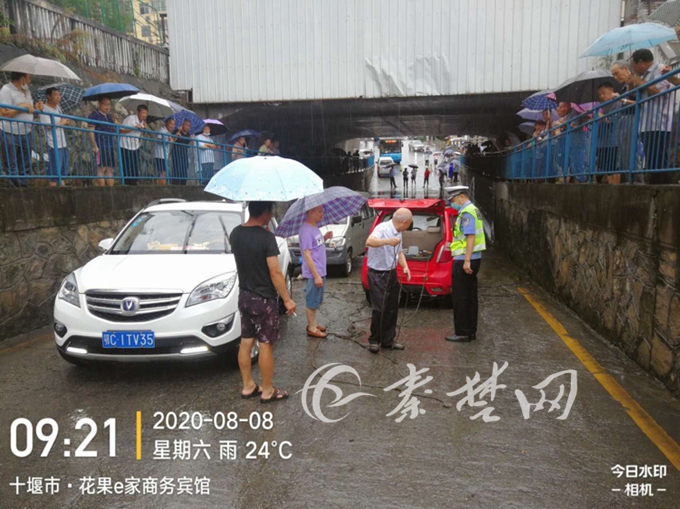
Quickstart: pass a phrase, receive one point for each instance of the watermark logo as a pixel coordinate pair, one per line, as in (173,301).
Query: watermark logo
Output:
(324,383)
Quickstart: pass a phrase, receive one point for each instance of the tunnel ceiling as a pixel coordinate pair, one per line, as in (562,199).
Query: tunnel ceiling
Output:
(318,125)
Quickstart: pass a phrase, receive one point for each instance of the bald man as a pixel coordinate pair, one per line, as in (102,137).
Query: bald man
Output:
(384,252)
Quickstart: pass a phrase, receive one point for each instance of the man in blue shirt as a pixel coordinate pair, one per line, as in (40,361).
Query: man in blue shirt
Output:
(466,248)
(104,142)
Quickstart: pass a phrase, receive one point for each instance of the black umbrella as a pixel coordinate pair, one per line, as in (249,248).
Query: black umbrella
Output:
(582,88)
(413,166)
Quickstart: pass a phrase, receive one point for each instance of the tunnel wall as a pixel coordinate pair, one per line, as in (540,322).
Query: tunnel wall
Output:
(47,233)
(609,252)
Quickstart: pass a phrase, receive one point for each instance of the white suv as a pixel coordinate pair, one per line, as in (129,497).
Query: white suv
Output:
(164,289)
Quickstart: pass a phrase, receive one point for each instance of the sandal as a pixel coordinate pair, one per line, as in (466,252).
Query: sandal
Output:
(256,391)
(277,396)
(318,334)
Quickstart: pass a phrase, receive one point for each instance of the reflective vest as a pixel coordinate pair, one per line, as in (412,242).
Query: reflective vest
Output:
(459,244)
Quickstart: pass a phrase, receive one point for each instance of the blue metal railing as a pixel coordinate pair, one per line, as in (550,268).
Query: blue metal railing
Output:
(27,151)
(633,134)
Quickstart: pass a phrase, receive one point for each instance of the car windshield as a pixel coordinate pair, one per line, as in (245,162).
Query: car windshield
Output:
(178,232)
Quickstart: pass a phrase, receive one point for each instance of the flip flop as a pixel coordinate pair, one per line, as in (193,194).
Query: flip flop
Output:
(277,396)
(256,392)
(318,334)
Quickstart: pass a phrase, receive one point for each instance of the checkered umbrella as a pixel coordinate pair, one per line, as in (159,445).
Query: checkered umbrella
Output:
(338,203)
(71,95)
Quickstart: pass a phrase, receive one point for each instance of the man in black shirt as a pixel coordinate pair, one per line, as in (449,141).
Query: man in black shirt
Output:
(260,278)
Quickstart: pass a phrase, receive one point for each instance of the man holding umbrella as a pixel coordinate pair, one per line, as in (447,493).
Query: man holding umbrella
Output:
(260,279)
(313,248)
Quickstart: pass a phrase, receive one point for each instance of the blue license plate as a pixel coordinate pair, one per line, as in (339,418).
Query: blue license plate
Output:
(299,260)
(128,339)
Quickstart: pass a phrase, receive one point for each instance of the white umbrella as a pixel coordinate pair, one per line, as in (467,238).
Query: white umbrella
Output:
(40,67)
(157,107)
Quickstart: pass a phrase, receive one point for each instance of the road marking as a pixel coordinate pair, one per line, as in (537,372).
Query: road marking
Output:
(24,344)
(645,422)
(139,435)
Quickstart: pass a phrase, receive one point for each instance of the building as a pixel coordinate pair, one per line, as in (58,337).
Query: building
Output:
(150,21)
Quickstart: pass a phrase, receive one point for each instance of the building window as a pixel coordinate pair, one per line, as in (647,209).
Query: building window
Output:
(146,32)
(143,9)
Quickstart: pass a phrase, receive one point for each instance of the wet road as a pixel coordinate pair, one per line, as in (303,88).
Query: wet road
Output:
(442,458)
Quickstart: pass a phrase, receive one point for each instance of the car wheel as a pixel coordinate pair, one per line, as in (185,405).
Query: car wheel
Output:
(255,353)
(289,287)
(76,361)
(347,268)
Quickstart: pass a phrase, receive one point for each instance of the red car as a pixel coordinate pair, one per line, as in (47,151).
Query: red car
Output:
(425,244)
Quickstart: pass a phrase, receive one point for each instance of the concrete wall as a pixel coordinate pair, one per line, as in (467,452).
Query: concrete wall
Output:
(46,233)
(609,252)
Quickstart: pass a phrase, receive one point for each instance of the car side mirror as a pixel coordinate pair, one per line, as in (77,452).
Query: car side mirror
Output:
(105,244)
(356,220)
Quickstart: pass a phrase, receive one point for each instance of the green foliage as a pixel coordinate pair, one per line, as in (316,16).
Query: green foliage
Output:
(115,14)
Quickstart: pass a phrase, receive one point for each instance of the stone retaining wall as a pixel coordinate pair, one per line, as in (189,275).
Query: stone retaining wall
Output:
(609,252)
(47,233)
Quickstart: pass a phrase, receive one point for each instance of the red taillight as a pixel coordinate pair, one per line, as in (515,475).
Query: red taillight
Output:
(445,255)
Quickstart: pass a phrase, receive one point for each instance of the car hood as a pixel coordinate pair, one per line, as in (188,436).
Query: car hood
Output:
(152,271)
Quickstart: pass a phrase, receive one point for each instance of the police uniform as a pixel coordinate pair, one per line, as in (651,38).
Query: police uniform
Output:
(464,286)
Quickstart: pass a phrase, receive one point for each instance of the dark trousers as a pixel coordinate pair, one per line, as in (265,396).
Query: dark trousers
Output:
(465,306)
(655,143)
(18,153)
(384,291)
(130,166)
(392,182)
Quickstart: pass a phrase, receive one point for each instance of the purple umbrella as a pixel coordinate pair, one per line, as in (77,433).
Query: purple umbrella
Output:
(338,203)
(216,127)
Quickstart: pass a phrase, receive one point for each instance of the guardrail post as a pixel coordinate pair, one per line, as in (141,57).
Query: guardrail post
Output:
(593,149)
(120,156)
(55,151)
(567,148)
(634,137)
(548,153)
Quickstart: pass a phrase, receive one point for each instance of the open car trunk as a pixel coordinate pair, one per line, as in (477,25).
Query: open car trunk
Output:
(421,245)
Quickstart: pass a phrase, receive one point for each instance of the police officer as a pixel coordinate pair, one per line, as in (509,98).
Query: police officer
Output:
(466,249)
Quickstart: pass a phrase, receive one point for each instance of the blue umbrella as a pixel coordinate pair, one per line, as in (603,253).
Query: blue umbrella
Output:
(246,133)
(110,90)
(71,95)
(264,178)
(338,203)
(540,101)
(197,123)
(630,38)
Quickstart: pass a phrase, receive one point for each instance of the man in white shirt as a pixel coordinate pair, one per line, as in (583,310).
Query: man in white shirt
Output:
(17,133)
(384,252)
(206,145)
(129,144)
(60,161)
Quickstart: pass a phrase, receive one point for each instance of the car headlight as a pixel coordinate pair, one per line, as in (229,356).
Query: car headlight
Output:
(216,288)
(69,290)
(337,242)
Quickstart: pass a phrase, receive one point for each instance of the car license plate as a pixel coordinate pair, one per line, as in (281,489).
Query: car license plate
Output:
(128,339)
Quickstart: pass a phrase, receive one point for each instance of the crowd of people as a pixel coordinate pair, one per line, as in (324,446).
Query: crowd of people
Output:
(447,172)
(99,148)
(616,152)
